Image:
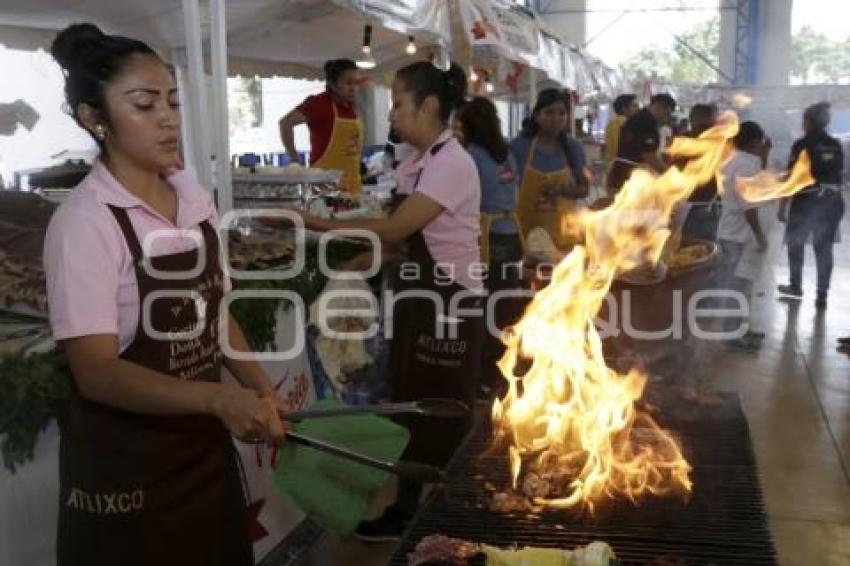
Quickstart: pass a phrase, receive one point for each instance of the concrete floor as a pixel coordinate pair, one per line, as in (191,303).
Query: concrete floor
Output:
(796,394)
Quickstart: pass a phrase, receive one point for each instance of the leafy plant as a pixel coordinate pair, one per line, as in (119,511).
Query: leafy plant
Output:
(33,389)
(258,317)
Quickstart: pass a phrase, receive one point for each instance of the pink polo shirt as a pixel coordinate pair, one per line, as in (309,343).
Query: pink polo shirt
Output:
(91,284)
(450,178)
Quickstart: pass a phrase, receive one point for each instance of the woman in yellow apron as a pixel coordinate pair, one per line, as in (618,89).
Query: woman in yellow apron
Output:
(552,176)
(336,133)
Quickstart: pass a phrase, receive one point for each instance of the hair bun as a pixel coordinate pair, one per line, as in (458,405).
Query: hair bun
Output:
(72,43)
(456,82)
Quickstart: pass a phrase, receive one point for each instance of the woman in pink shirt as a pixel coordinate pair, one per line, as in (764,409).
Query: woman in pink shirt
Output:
(436,221)
(148,473)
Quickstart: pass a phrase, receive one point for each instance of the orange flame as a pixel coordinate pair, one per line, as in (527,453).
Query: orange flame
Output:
(566,412)
(767,185)
(741,100)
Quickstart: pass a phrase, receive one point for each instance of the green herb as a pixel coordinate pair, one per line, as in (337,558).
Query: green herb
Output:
(258,317)
(34,388)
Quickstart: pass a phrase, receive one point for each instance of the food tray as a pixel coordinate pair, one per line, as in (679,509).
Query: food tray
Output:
(706,261)
(287,176)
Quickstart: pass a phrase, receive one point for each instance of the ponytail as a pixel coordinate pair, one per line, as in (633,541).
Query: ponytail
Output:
(423,79)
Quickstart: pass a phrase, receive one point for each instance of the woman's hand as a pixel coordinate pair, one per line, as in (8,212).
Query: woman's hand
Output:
(280,404)
(249,416)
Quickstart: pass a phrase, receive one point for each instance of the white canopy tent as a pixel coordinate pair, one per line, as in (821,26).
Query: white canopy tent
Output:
(294,38)
(518,54)
(250,37)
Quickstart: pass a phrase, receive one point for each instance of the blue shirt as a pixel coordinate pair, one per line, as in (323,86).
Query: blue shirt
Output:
(546,161)
(498,187)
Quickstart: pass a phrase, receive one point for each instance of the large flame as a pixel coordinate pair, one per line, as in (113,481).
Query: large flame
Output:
(566,411)
(768,185)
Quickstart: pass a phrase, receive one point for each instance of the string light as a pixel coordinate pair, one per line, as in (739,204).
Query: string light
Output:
(411,45)
(366,61)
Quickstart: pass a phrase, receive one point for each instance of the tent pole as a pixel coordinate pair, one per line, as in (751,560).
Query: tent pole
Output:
(532,86)
(198,91)
(221,134)
(188,132)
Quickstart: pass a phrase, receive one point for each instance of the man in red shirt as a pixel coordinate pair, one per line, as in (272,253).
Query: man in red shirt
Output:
(336,133)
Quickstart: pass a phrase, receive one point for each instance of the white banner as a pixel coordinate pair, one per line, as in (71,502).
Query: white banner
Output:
(515,34)
(429,17)
(272,516)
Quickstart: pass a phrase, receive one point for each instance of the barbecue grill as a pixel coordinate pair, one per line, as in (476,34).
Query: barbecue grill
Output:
(724,521)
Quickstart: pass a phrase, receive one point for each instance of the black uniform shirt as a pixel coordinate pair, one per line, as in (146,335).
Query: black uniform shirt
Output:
(826,154)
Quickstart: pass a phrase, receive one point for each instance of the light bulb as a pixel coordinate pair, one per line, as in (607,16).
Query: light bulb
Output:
(411,46)
(367,40)
(366,63)
(488,86)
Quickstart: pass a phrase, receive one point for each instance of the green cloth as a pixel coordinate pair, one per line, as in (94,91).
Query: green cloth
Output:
(335,492)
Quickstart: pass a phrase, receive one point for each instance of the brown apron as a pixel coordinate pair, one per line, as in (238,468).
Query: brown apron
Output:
(424,364)
(154,490)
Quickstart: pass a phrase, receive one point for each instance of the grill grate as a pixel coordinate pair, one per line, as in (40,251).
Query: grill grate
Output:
(724,522)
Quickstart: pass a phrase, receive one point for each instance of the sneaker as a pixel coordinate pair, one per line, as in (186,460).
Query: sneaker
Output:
(386,528)
(820,302)
(741,345)
(790,290)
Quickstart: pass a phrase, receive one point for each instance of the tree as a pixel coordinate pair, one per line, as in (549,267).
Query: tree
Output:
(815,58)
(245,101)
(682,65)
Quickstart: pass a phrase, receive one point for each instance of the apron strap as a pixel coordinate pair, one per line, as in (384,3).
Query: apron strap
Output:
(210,236)
(529,160)
(434,151)
(123,219)
(484,243)
(487,219)
(532,147)
(130,236)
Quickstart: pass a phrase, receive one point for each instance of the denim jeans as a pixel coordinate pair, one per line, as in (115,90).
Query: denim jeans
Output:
(818,215)
(725,278)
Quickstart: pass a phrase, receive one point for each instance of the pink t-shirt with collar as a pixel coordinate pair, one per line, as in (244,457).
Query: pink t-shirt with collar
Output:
(450,178)
(91,283)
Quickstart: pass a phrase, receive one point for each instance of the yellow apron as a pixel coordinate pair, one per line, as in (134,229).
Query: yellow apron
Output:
(487,219)
(534,183)
(344,150)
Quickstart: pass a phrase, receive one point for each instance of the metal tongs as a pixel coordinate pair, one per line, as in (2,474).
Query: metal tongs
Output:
(413,471)
(441,408)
